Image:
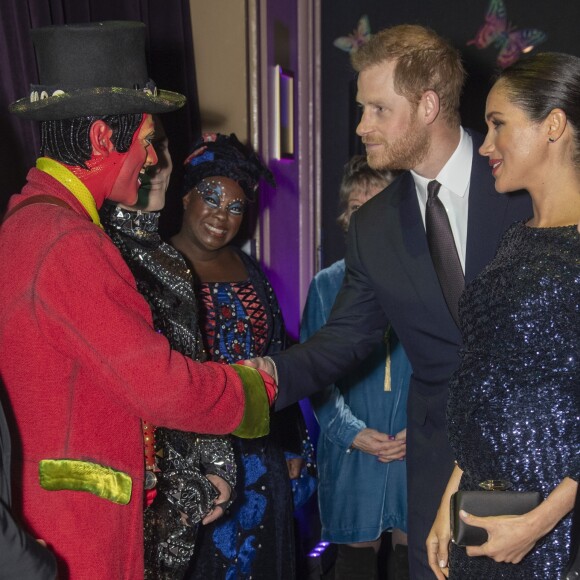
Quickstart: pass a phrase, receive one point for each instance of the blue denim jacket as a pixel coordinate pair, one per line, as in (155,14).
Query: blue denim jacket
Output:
(359,497)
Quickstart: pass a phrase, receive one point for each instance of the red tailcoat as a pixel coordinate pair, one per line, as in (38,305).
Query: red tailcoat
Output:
(82,366)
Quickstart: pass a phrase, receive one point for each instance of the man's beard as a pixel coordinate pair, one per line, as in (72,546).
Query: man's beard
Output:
(404,153)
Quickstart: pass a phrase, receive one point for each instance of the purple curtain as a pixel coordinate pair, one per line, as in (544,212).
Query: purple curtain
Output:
(170,58)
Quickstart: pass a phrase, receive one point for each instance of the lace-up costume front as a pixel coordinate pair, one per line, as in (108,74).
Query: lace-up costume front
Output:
(255,540)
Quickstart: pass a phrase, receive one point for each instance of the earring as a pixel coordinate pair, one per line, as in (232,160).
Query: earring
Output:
(551,140)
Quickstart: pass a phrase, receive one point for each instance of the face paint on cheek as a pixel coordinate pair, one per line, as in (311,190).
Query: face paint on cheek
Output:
(101,176)
(125,170)
(103,173)
(144,191)
(107,170)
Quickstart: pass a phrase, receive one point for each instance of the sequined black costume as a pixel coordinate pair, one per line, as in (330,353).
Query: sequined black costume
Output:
(256,539)
(514,402)
(166,283)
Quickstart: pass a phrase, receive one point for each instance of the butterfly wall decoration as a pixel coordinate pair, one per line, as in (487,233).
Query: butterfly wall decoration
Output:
(359,36)
(512,43)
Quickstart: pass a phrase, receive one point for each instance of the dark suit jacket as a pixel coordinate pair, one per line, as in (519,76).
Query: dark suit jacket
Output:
(21,556)
(390,279)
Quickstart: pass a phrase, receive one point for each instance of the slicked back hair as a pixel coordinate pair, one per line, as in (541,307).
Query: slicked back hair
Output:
(543,82)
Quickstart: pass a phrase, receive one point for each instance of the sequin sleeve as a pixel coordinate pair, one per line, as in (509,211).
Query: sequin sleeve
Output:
(217,457)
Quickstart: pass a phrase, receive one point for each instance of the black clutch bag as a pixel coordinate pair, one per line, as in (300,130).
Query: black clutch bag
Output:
(487,503)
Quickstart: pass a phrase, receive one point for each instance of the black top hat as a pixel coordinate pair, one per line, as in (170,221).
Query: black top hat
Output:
(98,68)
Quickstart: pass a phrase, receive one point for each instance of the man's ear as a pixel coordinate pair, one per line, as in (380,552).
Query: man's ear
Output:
(430,106)
(100,136)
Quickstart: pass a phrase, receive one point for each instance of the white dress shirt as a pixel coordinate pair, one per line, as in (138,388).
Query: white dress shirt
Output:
(454,193)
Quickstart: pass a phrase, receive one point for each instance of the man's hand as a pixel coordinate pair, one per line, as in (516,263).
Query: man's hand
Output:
(225,492)
(385,447)
(266,367)
(262,364)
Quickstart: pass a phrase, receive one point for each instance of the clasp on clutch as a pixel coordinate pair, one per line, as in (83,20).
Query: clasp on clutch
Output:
(495,484)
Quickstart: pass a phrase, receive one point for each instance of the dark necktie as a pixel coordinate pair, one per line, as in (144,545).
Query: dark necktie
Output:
(442,249)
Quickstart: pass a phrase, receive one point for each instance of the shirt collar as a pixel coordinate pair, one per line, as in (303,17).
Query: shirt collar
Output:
(455,174)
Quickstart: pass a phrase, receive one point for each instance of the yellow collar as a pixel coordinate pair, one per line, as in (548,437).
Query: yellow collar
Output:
(72,183)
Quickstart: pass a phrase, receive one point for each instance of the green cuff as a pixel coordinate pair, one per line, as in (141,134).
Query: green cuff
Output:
(75,475)
(256,420)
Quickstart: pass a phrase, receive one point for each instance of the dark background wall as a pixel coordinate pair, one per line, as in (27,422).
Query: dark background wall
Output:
(456,20)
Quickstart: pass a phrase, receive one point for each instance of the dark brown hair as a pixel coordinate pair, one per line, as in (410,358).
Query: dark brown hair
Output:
(543,82)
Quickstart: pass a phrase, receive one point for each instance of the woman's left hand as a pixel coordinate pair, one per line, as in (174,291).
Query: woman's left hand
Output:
(510,538)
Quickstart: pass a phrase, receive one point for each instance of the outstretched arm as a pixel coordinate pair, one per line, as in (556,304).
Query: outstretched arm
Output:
(355,326)
(138,369)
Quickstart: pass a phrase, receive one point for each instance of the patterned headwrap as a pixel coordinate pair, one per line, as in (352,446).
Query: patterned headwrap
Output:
(221,155)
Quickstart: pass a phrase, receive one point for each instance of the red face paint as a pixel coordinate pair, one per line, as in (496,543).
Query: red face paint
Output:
(116,175)
(141,154)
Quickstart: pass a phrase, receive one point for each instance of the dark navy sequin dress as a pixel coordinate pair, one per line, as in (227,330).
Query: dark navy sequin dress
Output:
(514,402)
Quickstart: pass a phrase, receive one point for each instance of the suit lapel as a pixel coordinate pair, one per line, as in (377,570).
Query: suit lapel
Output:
(485,225)
(419,267)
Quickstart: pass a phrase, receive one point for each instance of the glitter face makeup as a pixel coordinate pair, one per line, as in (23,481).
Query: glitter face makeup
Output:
(212,192)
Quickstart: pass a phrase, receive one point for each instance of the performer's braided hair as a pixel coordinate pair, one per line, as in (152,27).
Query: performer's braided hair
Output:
(67,140)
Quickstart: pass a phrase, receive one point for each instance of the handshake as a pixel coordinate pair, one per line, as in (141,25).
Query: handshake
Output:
(268,376)
(264,364)
(256,417)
